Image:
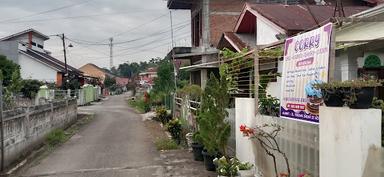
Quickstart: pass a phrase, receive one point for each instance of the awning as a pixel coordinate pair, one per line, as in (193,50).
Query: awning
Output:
(188,52)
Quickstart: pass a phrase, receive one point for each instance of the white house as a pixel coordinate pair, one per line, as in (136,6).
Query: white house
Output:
(265,24)
(26,49)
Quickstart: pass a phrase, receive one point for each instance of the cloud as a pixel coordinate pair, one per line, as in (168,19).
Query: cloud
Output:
(97,20)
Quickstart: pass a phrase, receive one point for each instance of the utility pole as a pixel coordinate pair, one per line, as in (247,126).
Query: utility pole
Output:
(111,52)
(65,54)
(174,66)
(2,125)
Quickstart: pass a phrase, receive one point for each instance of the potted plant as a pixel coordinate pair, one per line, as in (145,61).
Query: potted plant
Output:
(225,167)
(174,128)
(214,130)
(359,93)
(333,93)
(197,147)
(246,169)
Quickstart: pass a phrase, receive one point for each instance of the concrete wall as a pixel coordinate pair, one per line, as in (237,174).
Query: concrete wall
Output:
(300,142)
(345,140)
(10,50)
(32,69)
(26,128)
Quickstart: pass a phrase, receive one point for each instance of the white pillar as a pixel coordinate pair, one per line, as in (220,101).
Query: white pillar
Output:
(245,114)
(345,137)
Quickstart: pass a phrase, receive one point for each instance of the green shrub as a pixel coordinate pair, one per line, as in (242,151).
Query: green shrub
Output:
(166,144)
(162,115)
(30,87)
(175,128)
(140,105)
(56,137)
(269,106)
(214,130)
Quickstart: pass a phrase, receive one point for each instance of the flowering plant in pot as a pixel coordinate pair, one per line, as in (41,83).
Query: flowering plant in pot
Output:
(174,127)
(246,169)
(227,167)
(359,93)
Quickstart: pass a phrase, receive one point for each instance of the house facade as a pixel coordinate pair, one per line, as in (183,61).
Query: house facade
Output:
(266,24)
(94,71)
(209,18)
(147,78)
(26,49)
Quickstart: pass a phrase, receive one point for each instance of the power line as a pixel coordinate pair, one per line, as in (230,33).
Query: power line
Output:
(152,40)
(71,17)
(141,25)
(143,50)
(124,42)
(46,11)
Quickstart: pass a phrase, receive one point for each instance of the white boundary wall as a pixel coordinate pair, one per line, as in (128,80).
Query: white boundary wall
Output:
(338,147)
(345,137)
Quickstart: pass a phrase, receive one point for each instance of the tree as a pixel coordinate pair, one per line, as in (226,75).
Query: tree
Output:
(109,82)
(114,71)
(30,87)
(214,130)
(165,79)
(7,68)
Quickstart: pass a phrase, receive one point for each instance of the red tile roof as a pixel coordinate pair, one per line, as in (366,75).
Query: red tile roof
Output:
(298,17)
(235,39)
(121,81)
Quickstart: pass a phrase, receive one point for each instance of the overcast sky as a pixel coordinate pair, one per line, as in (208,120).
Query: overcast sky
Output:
(143,26)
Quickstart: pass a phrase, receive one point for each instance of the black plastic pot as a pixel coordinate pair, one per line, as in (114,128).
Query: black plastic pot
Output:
(364,97)
(208,161)
(197,151)
(334,98)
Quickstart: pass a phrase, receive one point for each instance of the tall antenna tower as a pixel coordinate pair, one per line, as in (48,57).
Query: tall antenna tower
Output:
(110,53)
(339,9)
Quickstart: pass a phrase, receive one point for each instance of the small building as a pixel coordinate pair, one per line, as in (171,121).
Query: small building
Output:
(266,24)
(94,71)
(263,24)
(26,49)
(147,78)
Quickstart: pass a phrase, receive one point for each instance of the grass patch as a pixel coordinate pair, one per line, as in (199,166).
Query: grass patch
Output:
(56,137)
(139,105)
(59,136)
(166,144)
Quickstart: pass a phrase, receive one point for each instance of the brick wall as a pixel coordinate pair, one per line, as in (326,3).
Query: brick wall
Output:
(223,17)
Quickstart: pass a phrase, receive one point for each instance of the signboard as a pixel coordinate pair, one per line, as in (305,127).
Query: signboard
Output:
(306,60)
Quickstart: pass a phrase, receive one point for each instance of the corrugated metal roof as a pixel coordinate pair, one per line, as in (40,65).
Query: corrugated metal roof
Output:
(298,17)
(50,61)
(45,37)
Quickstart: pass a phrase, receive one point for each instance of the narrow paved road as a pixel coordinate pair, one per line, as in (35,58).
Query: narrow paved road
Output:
(114,144)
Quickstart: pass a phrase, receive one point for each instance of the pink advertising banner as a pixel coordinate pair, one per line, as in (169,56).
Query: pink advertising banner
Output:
(306,61)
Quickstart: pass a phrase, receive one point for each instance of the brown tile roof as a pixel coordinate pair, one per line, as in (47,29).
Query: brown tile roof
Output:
(298,17)
(235,40)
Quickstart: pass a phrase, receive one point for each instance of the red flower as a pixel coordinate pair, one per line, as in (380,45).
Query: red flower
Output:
(242,128)
(303,175)
(246,131)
